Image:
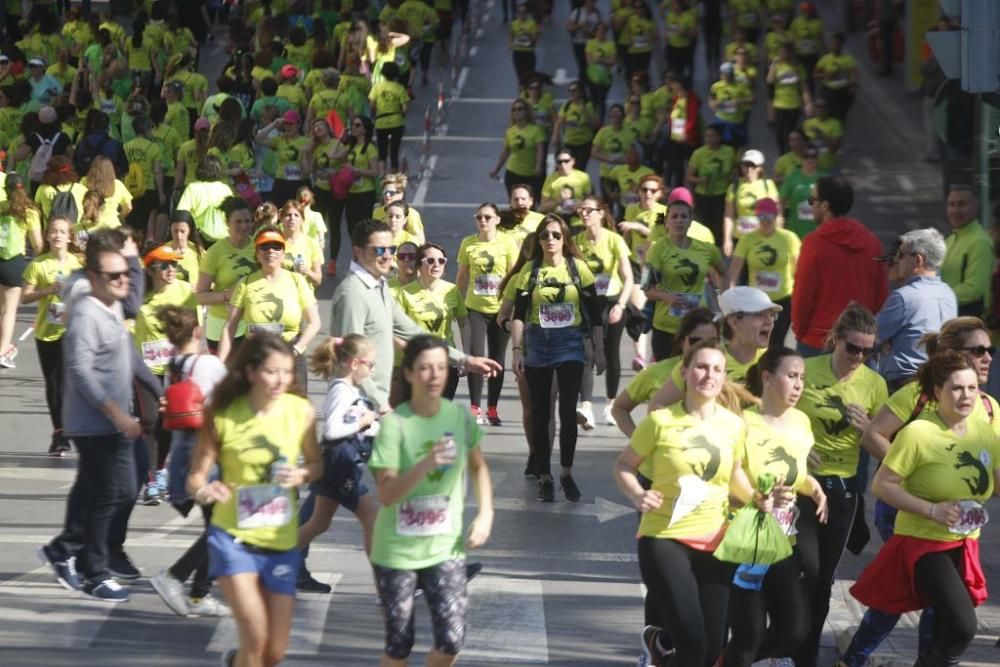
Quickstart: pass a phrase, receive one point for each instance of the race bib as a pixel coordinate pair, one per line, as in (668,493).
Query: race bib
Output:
(640,42)
(768,281)
(263,506)
(973,517)
(276,328)
(694,490)
(601,283)
(157,352)
(556,315)
(293,172)
(787,518)
(684,304)
(423,517)
(839,80)
(522,40)
(805,210)
(677,128)
(487,284)
(747,223)
(808,45)
(728,107)
(788,78)
(56,313)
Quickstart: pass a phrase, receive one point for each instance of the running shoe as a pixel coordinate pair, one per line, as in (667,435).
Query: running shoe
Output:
(59,445)
(530,468)
(105,590)
(171,591)
(208,606)
(161,483)
(609,419)
(307,584)
(228,658)
(650,635)
(585,417)
(492,417)
(151,495)
(7,360)
(569,488)
(477,412)
(638,363)
(121,566)
(65,570)
(546,490)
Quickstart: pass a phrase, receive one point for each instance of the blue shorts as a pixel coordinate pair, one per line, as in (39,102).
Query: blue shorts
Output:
(343,474)
(277,570)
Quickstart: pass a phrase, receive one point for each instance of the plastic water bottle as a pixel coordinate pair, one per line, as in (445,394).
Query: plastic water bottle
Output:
(276,466)
(299,262)
(450,447)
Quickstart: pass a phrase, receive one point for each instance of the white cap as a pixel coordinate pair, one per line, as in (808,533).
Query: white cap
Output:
(754,157)
(746,300)
(36,62)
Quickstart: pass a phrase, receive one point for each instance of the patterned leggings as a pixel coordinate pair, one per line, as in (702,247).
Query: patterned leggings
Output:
(444,587)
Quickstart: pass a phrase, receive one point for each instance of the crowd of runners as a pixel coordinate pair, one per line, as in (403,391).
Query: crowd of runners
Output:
(173,239)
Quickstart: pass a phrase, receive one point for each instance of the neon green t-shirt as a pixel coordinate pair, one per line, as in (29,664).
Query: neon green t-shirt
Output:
(788,83)
(522,142)
(603,257)
(576,130)
(227,265)
(275,306)
(14,231)
(683,272)
(716,166)
(434,309)
(488,263)
(578,181)
(744,196)
(770,260)
(555,300)
(43,271)
(150,339)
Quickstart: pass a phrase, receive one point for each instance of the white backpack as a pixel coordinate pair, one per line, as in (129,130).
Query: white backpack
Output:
(40,160)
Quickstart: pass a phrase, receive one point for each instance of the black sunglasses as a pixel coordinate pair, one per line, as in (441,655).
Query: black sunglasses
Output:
(114,275)
(382,250)
(564,161)
(979,350)
(545,236)
(857,349)
(275,247)
(406,256)
(163,266)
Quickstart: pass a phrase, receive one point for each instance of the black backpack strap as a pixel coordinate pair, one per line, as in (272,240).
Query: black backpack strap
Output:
(574,274)
(922,402)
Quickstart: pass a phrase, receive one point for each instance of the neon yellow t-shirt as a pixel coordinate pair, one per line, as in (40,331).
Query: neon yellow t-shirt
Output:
(728,95)
(14,231)
(683,272)
(781,452)
(522,142)
(744,198)
(363,159)
(825,400)
(488,263)
(603,257)
(736,371)
(613,142)
(523,33)
(938,465)
(46,194)
(788,83)
(249,445)
(227,265)
(389,100)
(434,309)
(414,223)
(578,181)
(628,180)
(289,155)
(836,70)
(692,461)
(770,260)
(150,339)
(43,271)
(275,306)
(555,300)
(576,130)
(636,34)
(904,401)
(681,27)
(714,165)
(146,154)
(305,247)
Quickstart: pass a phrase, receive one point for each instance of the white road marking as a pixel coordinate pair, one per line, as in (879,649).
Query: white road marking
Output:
(506,622)
(905,182)
(462,76)
(39,474)
(602,508)
(157,536)
(473,51)
(307,628)
(425,182)
(441,137)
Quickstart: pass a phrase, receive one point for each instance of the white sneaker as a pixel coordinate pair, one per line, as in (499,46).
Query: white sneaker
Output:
(7,360)
(585,417)
(207,606)
(171,591)
(609,420)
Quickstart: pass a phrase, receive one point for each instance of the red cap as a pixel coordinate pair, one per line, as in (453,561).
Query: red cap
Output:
(681,194)
(289,72)
(766,206)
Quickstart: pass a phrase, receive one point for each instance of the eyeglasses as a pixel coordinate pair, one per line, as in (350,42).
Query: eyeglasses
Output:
(564,161)
(980,350)
(900,254)
(383,250)
(163,266)
(483,216)
(431,261)
(370,363)
(857,349)
(406,256)
(587,210)
(112,276)
(271,247)
(545,236)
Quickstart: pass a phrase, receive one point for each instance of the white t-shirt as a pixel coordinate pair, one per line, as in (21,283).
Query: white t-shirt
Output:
(207,373)
(342,406)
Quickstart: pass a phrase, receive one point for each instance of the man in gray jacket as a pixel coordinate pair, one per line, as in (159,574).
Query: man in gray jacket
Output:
(98,391)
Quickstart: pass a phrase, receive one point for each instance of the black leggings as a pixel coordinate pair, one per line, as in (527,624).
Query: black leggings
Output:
(50,358)
(783,600)
(662,343)
(711,212)
(387,140)
(820,547)
(358,206)
(612,356)
(690,588)
(195,559)
(782,323)
(569,375)
(938,579)
(332,211)
(486,337)
(524,63)
(785,120)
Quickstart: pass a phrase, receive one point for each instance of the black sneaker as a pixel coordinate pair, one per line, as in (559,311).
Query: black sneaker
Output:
(530,469)
(546,490)
(105,590)
(472,570)
(307,584)
(59,445)
(65,570)
(121,566)
(569,488)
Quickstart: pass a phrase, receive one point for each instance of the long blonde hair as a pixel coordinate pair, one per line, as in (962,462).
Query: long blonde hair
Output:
(101,176)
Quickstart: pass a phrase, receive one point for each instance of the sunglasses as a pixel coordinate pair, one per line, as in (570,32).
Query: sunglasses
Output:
(391,193)
(163,266)
(383,250)
(857,349)
(587,210)
(483,216)
(697,339)
(112,276)
(564,161)
(406,256)
(545,236)
(431,261)
(271,247)
(980,350)
(650,190)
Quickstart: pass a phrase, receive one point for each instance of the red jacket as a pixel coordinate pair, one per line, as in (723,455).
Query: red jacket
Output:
(836,266)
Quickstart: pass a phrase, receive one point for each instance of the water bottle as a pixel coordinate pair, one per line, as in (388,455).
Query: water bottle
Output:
(450,447)
(276,466)
(299,262)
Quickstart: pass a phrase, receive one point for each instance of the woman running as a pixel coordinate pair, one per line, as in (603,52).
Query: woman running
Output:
(607,256)
(20,223)
(932,560)
(523,154)
(555,310)
(303,254)
(695,447)
(420,458)
(709,173)
(256,432)
(791,94)
(741,199)
(797,188)
(521,39)
(389,101)
(435,304)
(357,150)
(222,266)
(576,124)
(609,147)
(484,259)
(117,198)
(841,396)
(768,617)
(180,324)
(43,282)
(638,35)
(602,57)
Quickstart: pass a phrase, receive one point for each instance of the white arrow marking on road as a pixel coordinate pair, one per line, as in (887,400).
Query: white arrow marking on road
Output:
(560,78)
(905,182)
(605,510)
(506,622)
(307,627)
